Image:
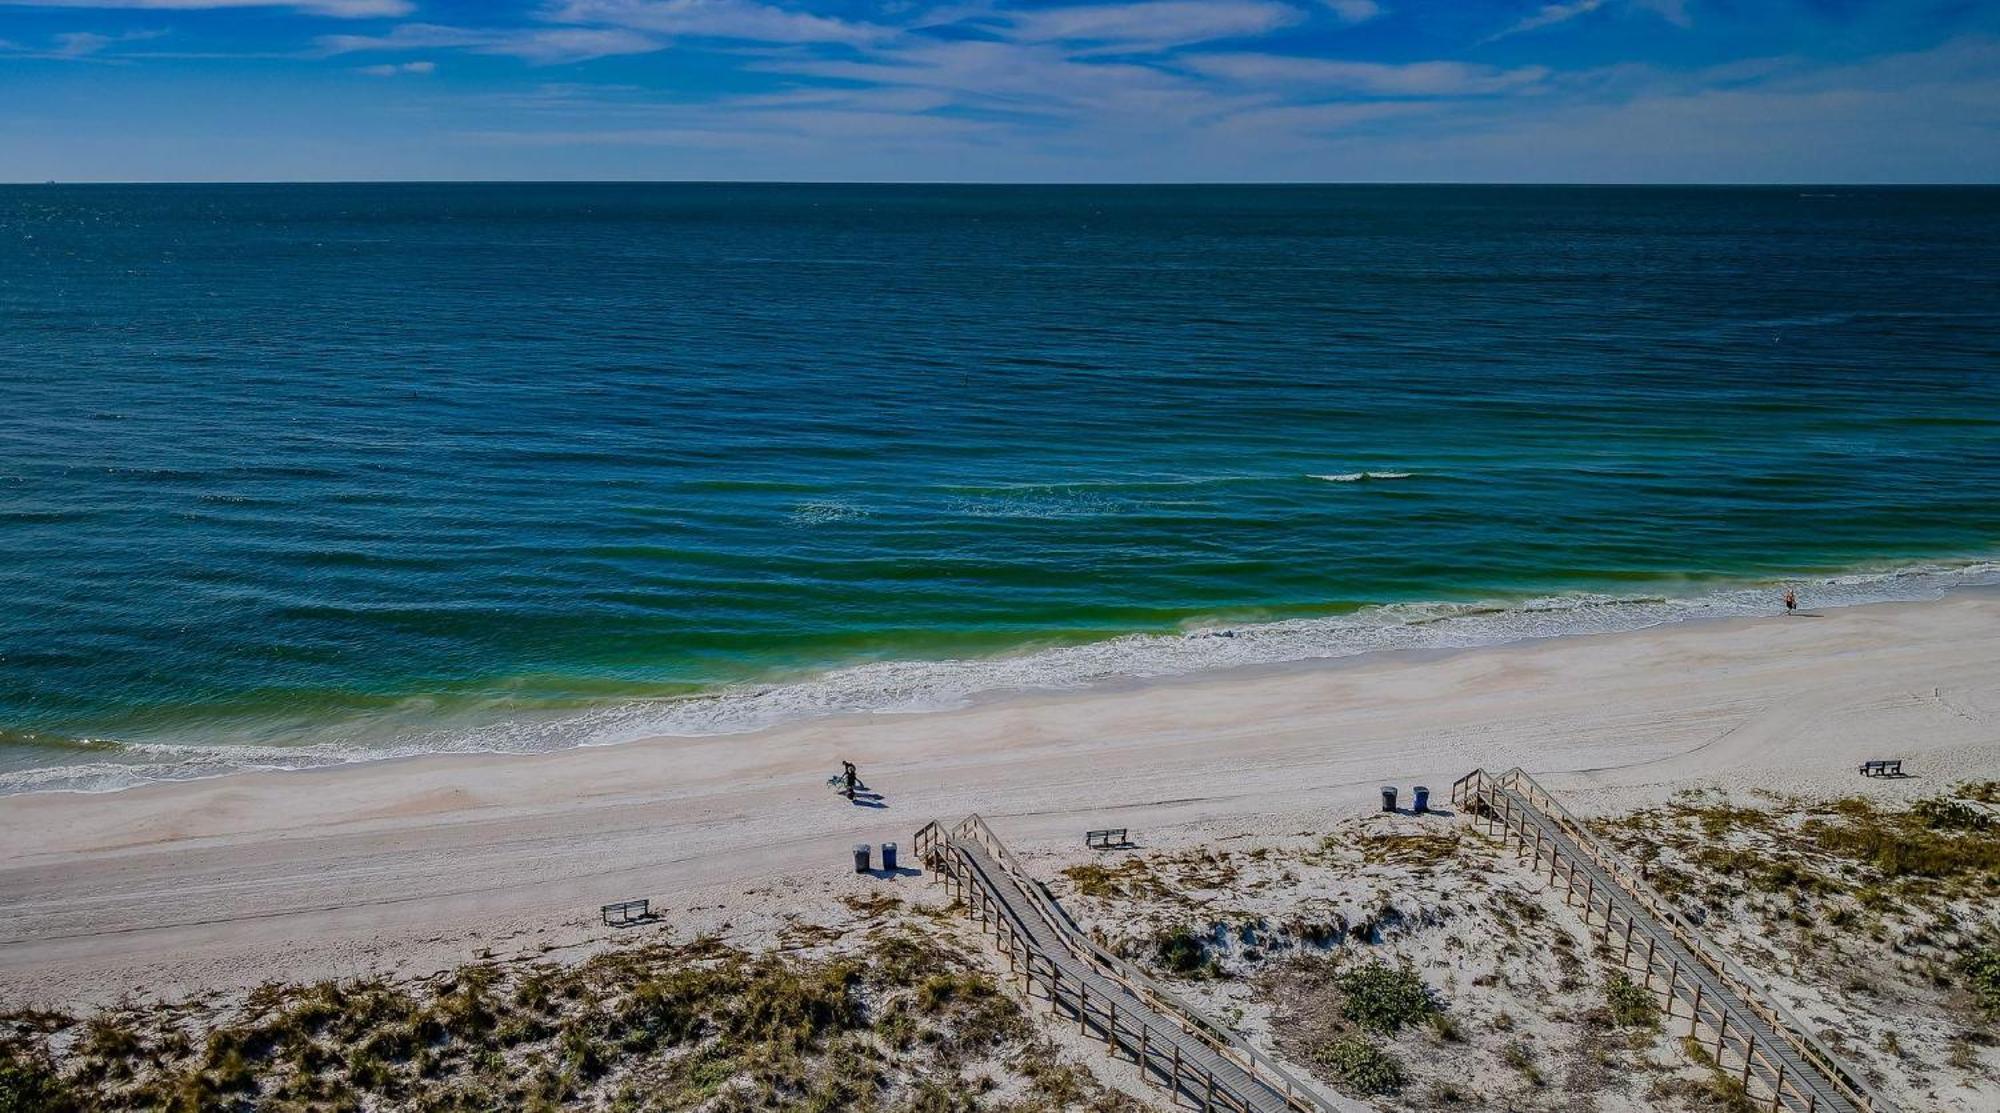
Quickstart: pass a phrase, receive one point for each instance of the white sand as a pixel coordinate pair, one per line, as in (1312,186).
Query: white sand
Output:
(406,867)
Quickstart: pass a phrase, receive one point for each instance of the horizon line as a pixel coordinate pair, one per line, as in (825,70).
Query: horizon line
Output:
(1113,184)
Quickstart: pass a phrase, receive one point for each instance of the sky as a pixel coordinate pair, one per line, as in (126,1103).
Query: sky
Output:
(980,90)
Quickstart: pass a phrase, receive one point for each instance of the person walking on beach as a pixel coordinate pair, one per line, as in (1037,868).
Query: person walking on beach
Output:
(1791,601)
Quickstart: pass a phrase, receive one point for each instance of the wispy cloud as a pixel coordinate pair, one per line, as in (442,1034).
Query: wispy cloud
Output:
(1152,24)
(337,9)
(1548,15)
(1410,79)
(84,44)
(722,19)
(542,45)
(399,69)
(1354,11)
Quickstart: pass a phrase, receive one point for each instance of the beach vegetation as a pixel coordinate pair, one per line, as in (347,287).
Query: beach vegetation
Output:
(1131,879)
(1363,1066)
(1981,972)
(1183,951)
(1384,998)
(1631,1005)
(660,1025)
(1985,792)
(29,1082)
(1942,813)
(1909,844)
(1417,850)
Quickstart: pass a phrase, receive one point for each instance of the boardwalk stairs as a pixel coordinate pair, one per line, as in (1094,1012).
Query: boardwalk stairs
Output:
(1728,1013)
(1194,1059)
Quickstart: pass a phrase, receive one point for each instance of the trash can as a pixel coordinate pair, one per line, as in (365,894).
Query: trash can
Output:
(889,857)
(1420,799)
(861,857)
(1388,798)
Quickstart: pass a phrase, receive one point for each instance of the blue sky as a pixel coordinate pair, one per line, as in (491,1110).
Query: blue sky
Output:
(976,90)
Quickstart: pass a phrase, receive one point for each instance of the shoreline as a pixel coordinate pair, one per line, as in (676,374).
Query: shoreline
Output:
(414,864)
(1107,665)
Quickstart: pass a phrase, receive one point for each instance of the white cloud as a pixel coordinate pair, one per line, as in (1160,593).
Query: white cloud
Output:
(1411,79)
(1354,11)
(1549,15)
(338,9)
(543,45)
(77,44)
(397,69)
(723,19)
(1028,81)
(1152,24)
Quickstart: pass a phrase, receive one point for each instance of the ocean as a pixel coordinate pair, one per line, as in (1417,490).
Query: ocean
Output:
(300,475)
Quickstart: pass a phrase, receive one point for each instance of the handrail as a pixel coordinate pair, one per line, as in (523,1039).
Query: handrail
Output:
(1753,992)
(1217,1037)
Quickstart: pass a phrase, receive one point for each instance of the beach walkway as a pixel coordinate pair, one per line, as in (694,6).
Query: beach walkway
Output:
(1729,1015)
(1173,1045)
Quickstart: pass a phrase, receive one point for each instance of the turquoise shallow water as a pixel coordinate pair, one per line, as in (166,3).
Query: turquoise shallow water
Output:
(301,474)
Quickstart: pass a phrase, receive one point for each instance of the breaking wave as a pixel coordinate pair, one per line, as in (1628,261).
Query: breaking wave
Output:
(914,686)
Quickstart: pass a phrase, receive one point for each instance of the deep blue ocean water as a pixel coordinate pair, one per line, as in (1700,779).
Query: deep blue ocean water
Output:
(300,474)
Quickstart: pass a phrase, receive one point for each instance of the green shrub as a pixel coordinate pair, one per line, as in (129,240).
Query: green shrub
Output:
(1181,951)
(1942,813)
(29,1084)
(1982,977)
(1632,1005)
(1364,1067)
(1382,997)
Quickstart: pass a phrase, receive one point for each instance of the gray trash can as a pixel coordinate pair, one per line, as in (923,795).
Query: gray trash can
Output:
(1388,798)
(889,857)
(861,857)
(1420,799)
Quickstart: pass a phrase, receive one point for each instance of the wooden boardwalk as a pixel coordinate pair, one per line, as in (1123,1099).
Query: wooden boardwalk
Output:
(1728,1013)
(1176,1048)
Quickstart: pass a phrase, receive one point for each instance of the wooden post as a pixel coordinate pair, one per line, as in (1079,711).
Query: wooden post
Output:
(1778,1091)
(1082,1008)
(1696,1018)
(1145,1050)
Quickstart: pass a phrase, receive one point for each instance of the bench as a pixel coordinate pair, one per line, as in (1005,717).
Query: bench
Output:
(1108,839)
(1890,768)
(623,912)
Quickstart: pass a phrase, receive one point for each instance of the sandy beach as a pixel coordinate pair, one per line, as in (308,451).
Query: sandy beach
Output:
(409,866)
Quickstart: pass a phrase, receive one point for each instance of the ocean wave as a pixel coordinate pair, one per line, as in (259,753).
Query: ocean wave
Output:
(1359,476)
(819,513)
(913,686)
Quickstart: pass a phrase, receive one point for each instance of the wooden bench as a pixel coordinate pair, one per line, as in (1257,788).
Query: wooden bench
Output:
(1890,768)
(624,912)
(1108,839)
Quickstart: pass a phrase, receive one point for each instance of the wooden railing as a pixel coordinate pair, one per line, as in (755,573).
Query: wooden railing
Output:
(1140,1026)
(1475,792)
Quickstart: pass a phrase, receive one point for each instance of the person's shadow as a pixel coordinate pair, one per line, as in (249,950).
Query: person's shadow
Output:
(865,797)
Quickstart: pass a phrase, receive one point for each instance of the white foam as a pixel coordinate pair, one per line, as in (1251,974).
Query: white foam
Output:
(905,687)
